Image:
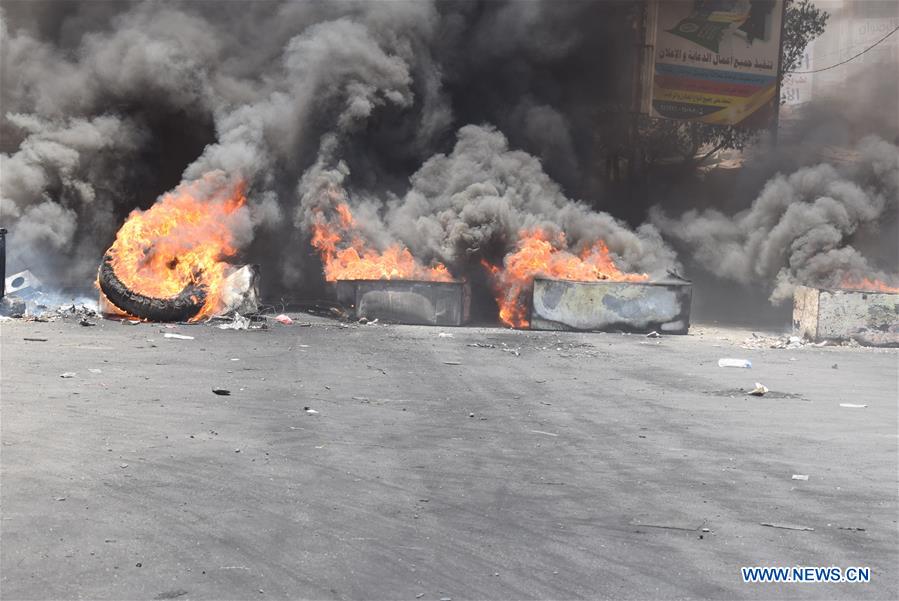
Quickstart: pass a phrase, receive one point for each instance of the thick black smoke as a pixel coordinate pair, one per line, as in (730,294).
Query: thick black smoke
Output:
(449,126)
(799,229)
(819,208)
(107,105)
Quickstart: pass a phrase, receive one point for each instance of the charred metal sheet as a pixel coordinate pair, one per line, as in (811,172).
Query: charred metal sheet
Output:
(611,306)
(825,314)
(407,301)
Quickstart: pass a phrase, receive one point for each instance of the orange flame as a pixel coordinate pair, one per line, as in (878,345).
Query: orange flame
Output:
(860,283)
(353,260)
(182,239)
(539,254)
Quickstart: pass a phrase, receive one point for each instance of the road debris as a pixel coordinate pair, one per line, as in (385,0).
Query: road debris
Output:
(222,391)
(283,319)
(177,336)
(728,362)
(481,345)
(759,390)
(788,527)
(68,374)
(238,323)
(11,306)
(852,406)
(86,322)
(444,335)
(800,477)
(35,339)
(452,363)
(310,410)
(653,334)
(94,370)
(171,594)
(669,527)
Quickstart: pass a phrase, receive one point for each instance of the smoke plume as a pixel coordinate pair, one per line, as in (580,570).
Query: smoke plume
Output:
(800,228)
(106,106)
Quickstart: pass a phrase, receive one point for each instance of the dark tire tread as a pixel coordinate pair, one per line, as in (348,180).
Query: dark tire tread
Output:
(185,305)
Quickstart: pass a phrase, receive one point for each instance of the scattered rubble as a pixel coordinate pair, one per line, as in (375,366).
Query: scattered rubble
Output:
(238,323)
(11,306)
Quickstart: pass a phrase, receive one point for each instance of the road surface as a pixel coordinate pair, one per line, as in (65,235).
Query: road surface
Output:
(466,463)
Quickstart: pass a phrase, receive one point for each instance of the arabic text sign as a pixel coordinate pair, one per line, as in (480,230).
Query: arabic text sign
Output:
(716,61)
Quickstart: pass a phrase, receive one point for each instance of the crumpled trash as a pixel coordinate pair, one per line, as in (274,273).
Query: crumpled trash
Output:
(177,336)
(68,374)
(729,362)
(283,319)
(238,323)
(11,306)
(759,390)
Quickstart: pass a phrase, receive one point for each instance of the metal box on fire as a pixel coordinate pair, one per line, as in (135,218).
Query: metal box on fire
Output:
(611,306)
(414,302)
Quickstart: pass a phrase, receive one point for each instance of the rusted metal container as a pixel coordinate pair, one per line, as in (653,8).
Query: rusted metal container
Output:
(605,305)
(827,314)
(407,301)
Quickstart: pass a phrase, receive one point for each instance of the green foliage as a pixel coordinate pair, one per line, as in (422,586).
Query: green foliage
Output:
(803,24)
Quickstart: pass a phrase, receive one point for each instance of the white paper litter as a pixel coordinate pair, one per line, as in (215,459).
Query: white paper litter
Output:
(177,336)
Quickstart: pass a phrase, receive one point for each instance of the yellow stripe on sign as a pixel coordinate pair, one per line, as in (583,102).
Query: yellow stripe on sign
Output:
(725,17)
(740,110)
(693,97)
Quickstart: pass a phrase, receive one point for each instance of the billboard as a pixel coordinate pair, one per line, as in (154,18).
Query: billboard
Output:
(716,61)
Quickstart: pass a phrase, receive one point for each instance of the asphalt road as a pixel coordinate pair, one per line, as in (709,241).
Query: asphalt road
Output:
(546,466)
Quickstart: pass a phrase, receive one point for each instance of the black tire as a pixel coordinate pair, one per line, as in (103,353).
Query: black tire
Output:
(181,307)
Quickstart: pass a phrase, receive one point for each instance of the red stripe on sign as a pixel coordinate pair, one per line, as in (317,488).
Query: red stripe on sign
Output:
(670,82)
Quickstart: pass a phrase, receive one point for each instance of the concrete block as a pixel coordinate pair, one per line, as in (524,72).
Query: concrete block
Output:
(611,306)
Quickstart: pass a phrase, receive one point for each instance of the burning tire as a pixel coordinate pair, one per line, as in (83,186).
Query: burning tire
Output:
(181,307)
